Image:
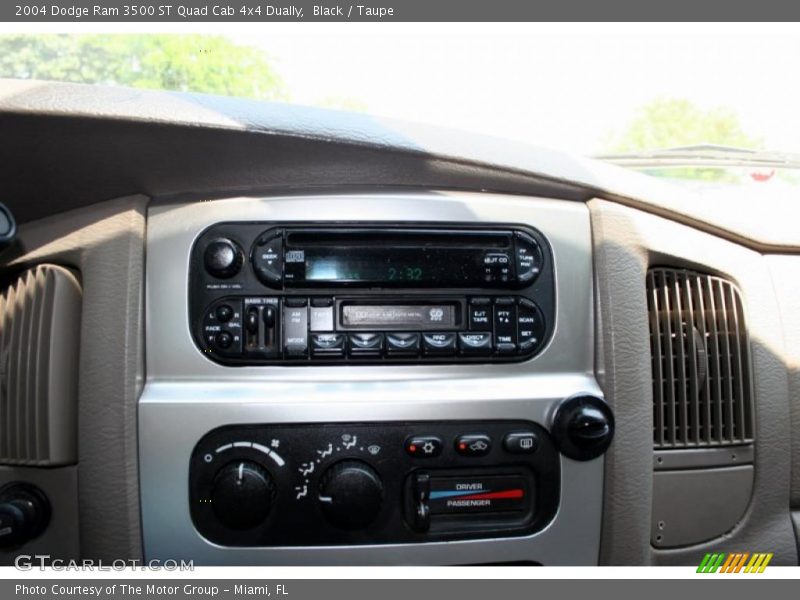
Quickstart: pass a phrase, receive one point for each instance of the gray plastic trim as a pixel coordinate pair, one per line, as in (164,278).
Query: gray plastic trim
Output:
(694,506)
(696,458)
(187,395)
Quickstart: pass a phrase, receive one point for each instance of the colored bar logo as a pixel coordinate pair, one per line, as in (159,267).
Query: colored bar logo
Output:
(735,562)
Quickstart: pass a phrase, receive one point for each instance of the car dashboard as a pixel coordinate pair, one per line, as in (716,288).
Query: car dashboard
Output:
(300,337)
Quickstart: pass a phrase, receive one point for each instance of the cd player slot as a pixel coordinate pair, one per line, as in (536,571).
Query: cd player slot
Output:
(367,238)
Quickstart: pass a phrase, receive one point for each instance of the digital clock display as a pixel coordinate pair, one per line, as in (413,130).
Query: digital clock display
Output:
(391,265)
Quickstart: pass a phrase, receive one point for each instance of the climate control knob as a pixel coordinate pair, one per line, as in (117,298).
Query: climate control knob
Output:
(242,494)
(223,258)
(350,494)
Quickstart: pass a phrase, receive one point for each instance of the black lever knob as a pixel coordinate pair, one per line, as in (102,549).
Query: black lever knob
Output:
(24,514)
(583,427)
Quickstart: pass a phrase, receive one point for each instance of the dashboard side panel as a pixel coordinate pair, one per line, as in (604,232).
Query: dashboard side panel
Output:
(648,240)
(105,243)
(786,278)
(625,348)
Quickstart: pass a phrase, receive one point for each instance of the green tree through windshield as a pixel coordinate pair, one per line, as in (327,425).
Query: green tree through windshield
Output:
(674,122)
(188,63)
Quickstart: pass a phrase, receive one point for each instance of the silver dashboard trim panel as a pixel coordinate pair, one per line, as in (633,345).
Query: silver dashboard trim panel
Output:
(186,395)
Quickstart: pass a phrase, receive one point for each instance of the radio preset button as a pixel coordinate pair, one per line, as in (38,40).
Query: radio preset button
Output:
(268,259)
(423,446)
(295,331)
(439,343)
(402,344)
(477,344)
(329,345)
(365,345)
(474,444)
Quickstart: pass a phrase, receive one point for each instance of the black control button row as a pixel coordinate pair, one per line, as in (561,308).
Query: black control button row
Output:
(298,327)
(471,444)
(516,324)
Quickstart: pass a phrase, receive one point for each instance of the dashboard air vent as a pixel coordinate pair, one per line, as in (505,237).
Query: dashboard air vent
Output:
(40,314)
(701,361)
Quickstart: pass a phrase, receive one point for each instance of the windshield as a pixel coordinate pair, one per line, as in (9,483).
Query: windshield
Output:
(572,89)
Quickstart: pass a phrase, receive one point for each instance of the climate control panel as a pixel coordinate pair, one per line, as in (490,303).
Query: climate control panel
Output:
(356,483)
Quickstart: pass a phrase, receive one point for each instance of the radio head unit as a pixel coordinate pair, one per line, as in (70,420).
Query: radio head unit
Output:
(284,293)
(395,257)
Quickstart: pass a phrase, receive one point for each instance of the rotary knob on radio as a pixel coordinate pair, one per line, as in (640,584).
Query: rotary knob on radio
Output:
(223,258)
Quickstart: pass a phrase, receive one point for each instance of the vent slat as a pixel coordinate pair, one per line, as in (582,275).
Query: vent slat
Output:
(713,354)
(742,372)
(669,356)
(700,359)
(730,410)
(680,344)
(655,345)
(693,398)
